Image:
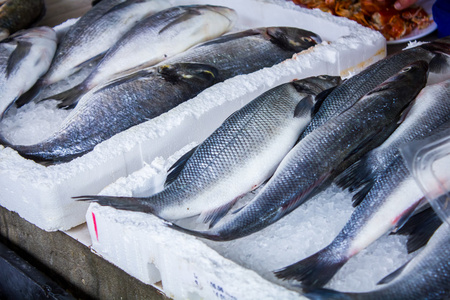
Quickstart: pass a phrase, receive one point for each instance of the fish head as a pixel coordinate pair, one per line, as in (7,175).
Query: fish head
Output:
(291,38)
(190,73)
(316,84)
(411,76)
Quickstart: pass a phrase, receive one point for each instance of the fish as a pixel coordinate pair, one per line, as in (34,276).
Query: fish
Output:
(16,15)
(119,105)
(236,158)
(234,54)
(90,37)
(437,54)
(393,195)
(312,161)
(152,40)
(425,276)
(428,111)
(24,57)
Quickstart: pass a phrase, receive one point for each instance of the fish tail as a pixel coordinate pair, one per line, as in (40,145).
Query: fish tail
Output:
(314,271)
(122,203)
(30,95)
(69,98)
(328,294)
(202,234)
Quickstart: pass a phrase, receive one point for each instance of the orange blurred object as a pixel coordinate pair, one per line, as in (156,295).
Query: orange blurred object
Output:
(376,14)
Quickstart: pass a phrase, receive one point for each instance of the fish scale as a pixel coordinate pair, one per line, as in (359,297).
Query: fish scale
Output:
(241,154)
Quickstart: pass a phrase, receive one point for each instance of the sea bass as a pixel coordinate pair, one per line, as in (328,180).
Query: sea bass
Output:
(236,158)
(426,276)
(19,14)
(430,110)
(89,38)
(238,53)
(154,39)
(312,161)
(24,57)
(437,54)
(120,105)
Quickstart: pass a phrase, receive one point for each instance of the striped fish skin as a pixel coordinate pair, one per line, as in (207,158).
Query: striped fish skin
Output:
(311,162)
(120,105)
(240,155)
(436,53)
(153,40)
(24,57)
(426,276)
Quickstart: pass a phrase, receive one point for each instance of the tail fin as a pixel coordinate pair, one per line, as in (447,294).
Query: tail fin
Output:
(314,271)
(69,98)
(202,234)
(123,203)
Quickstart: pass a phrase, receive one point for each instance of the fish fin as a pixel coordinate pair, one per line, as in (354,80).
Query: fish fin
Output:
(355,176)
(304,107)
(229,37)
(201,234)
(327,294)
(406,215)
(320,98)
(314,271)
(123,203)
(361,194)
(31,94)
(439,63)
(21,51)
(215,215)
(420,228)
(92,60)
(393,275)
(69,98)
(178,166)
(190,13)
(124,79)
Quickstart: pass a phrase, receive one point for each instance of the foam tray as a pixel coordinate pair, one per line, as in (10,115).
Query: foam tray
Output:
(42,195)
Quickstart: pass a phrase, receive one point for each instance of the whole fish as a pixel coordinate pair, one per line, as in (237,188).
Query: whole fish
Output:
(154,39)
(236,158)
(430,110)
(437,54)
(120,105)
(24,57)
(91,36)
(19,14)
(234,54)
(426,276)
(312,161)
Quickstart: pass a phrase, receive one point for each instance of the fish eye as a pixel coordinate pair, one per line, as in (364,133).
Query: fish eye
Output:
(406,69)
(324,77)
(306,39)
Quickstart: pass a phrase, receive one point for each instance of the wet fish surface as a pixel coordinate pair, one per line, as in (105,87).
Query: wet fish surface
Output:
(312,161)
(240,155)
(437,54)
(24,57)
(426,276)
(91,36)
(120,105)
(231,55)
(394,194)
(154,39)
(16,15)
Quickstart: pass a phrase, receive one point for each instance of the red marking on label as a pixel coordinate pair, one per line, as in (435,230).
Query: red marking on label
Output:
(95,226)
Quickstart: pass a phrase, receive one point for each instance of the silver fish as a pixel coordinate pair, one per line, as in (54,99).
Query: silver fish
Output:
(430,110)
(88,39)
(240,155)
(426,276)
(437,54)
(394,193)
(237,53)
(16,15)
(24,57)
(154,39)
(312,161)
(132,100)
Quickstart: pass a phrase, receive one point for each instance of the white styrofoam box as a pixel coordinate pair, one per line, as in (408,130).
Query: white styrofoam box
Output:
(42,195)
(186,267)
